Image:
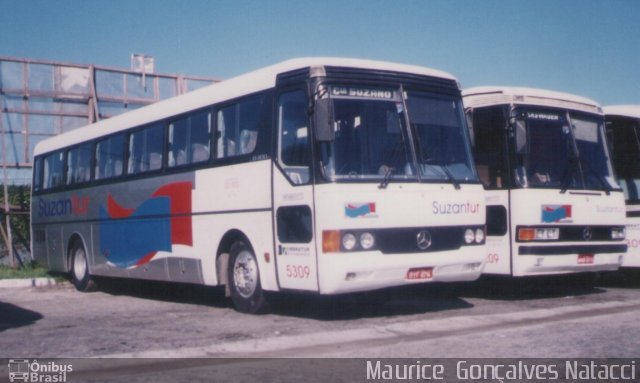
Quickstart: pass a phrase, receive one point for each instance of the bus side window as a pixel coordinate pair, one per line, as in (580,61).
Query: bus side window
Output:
(37,174)
(145,149)
(79,164)
(293,136)
(53,172)
(109,157)
(189,139)
(238,127)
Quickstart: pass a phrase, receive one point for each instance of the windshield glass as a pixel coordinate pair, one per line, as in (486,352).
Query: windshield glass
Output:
(624,138)
(370,139)
(441,137)
(562,150)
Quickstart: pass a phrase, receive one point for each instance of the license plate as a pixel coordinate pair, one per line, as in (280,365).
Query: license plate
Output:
(585,259)
(420,273)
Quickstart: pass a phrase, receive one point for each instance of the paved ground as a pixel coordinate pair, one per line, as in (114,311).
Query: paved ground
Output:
(147,319)
(494,318)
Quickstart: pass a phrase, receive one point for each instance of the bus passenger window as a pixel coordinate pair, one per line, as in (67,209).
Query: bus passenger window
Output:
(293,141)
(53,174)
(109,157)
(189,140)
(145,150)
(79,164)
(37,174)
(238,127)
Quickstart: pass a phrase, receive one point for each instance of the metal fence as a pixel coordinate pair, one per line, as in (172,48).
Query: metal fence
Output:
(40,99)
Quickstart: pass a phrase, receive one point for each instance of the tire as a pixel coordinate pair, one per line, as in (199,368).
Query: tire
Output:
(80,276)
(243,279)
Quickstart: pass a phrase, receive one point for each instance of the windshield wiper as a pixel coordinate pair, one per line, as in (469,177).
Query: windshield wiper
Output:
(392,159)
(446,171)
(568,173)
(387,178)
(600,177)
(573,165)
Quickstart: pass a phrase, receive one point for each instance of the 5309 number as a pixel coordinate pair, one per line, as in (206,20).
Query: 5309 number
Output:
(298,271)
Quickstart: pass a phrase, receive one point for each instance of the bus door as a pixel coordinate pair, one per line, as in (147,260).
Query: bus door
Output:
(498,239)
(491,150)
(295,245)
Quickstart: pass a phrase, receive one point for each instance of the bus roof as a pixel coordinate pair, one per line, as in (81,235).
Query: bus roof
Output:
(498,95)
(622,110)
(248,83)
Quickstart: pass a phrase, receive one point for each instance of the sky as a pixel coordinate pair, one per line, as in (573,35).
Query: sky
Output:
(586,47)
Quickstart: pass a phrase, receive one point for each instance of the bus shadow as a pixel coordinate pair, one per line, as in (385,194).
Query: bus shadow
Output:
(626,278)
(530,288)
(12,316)
(398,301)
(406,300)
(165,291)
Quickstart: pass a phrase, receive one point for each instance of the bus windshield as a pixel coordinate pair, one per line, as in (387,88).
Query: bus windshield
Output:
(372,139)
(442,142)
(564,150)
(624,138)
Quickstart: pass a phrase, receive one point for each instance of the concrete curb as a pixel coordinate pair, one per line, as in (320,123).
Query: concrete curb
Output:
(30,282)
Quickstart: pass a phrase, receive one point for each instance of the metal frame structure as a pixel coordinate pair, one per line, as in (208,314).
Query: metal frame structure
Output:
(40,99)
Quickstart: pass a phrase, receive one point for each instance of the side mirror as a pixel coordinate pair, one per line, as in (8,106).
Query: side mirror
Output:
(323,125)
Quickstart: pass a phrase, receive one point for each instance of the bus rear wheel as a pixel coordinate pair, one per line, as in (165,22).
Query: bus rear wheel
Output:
(80,276)
(244,280)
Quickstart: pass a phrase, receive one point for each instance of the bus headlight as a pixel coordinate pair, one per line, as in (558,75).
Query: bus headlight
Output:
(349,241)
(618,233)
(469,236)
(367,240)
(335,241)
(479,235)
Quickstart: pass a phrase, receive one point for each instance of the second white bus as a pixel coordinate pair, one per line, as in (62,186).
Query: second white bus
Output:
(553,205)
(320,175)
(623,129)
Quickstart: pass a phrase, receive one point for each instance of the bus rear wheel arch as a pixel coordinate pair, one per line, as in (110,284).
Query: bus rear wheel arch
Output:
(79,267)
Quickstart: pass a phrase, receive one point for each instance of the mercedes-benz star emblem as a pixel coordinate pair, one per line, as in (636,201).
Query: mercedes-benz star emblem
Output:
(587,233)
(423,239)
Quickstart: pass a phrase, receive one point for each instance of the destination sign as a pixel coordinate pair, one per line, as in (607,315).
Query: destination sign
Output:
(543,116)
(359,92)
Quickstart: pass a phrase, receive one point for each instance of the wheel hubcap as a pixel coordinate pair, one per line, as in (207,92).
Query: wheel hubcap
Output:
(245,274)
(79,264)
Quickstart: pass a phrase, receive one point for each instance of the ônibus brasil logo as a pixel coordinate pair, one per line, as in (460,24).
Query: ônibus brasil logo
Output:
(24,370)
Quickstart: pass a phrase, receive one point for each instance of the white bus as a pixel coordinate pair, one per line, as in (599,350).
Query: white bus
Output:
(623,132)
(320,175)
(553,205)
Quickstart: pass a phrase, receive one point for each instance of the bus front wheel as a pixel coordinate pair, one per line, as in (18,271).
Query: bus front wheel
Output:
(80,276)
(243,279)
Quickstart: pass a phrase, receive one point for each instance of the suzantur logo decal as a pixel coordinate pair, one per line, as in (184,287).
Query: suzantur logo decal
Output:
(358,210)
(76,205)
(556,213)
(446,208)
